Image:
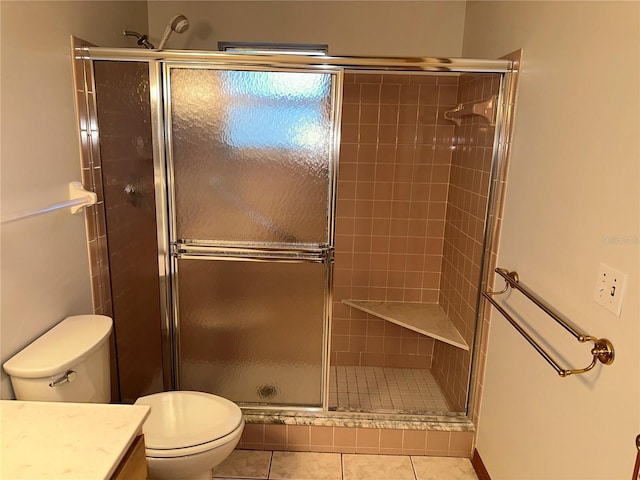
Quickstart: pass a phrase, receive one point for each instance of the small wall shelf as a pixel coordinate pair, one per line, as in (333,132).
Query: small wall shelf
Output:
(426,318)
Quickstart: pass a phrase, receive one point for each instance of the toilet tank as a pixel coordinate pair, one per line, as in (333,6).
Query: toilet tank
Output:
(69,363)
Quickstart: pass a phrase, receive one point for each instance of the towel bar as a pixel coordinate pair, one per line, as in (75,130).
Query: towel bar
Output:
(78,199)
(602,348)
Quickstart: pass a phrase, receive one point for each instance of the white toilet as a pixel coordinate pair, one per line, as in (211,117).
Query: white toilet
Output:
(186,433)
(189,433)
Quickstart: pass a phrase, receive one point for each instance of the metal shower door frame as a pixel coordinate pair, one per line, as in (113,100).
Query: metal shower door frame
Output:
(170,249)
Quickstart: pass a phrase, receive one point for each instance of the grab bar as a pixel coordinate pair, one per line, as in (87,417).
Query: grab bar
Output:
(602,348)
(79,198)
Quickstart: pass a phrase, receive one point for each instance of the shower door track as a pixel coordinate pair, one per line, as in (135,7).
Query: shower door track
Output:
(428,65)
(404,64)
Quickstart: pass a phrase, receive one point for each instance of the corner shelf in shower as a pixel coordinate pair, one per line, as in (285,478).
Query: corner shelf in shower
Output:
(428,319)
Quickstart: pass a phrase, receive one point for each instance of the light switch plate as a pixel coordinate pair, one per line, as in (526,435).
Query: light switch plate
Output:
(609,289)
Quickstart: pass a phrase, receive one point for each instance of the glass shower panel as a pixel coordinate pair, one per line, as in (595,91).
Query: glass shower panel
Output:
(250,154)
(252,332)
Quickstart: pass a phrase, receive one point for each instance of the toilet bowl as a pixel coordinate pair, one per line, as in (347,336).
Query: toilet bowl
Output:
(186,433)
(189,433)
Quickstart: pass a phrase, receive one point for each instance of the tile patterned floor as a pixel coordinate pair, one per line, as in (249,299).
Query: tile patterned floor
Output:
(385,389)
(261,465)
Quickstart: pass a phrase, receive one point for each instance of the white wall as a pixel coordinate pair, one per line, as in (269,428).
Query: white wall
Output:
(572,202)
(426,28)
(44,265)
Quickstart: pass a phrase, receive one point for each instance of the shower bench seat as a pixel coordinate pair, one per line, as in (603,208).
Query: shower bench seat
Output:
(429,319)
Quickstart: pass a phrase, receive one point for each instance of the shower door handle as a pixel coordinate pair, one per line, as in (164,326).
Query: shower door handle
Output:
(251,253)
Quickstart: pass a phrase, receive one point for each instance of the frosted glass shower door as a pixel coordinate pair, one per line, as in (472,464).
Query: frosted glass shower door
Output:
(251,161)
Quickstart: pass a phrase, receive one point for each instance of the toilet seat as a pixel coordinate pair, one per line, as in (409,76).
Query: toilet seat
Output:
(184,423)
(186,451)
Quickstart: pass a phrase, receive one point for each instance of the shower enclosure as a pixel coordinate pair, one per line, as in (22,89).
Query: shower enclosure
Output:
(322,224)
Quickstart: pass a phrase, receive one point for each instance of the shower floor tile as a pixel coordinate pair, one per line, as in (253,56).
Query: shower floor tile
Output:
(385,389)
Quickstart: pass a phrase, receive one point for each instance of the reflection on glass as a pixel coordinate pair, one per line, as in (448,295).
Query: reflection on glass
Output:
(251,127)
(278,85)
(275,109)
(251,154)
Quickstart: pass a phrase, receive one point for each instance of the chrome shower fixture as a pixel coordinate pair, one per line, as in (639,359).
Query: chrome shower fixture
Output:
(143,40)
(178,24)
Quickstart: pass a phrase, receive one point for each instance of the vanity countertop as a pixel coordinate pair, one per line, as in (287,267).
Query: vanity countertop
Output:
(50,440)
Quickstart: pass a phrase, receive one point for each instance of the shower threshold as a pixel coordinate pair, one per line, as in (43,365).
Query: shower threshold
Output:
(451,422)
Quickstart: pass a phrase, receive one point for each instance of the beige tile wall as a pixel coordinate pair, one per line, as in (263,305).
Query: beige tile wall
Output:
(92,178)
(91,165)
(392,191)
(464,236)
(312,438)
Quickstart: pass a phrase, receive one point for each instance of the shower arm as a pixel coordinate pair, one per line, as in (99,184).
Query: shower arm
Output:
(143,40)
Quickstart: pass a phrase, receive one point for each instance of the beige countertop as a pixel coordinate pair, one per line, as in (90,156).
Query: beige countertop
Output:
(51,440)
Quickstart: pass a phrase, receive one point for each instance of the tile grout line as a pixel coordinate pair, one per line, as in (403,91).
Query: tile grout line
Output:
(270,463)
(413,467)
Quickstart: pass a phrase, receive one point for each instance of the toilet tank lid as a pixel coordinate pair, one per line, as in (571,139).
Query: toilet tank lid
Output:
(67,344)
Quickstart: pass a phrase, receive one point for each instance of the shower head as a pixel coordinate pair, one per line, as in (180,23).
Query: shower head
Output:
(178,24)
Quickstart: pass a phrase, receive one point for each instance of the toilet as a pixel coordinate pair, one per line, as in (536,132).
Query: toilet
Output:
(186,433)
(189,433)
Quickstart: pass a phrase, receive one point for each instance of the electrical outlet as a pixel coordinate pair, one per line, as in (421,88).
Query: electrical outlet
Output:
(610,288)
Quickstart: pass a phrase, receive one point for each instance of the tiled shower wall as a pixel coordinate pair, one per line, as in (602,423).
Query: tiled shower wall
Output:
(395,159)
(464,236)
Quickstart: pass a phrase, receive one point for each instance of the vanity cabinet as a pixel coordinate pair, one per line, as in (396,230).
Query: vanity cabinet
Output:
(134,464)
